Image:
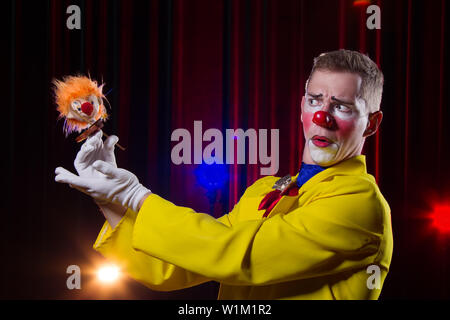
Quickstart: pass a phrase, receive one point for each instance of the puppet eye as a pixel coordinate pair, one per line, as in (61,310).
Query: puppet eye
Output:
(76,104)
(93,99)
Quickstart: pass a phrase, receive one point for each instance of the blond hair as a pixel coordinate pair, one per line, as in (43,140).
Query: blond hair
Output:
(354,62)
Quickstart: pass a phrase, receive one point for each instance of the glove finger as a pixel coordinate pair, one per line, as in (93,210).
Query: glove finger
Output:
(95,140)
(74,182)
(83,154)
(105,168)
(92,143)
(110,142)
(61,170)
(97,136)
(65,176)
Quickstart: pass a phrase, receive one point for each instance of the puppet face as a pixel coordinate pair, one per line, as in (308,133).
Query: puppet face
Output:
(334,118)
(80,102)
(84,109)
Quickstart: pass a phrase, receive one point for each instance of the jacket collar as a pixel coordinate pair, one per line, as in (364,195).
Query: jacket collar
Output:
(353,166)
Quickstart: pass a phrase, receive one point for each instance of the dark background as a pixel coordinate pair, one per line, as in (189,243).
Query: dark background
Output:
(230,64)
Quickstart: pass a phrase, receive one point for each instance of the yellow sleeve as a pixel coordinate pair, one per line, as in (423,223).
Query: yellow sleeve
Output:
(115,245)
(338,231)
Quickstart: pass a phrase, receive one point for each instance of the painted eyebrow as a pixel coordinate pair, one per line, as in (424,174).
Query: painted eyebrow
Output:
(316,96)
(320,95)
(341,101)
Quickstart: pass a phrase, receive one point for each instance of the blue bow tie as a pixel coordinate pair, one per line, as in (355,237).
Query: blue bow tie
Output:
(307,171)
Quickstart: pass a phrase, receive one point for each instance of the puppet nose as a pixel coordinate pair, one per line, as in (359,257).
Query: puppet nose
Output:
(87,108)
(323,119)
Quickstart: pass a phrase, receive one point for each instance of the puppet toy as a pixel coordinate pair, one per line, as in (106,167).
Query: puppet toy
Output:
(79,101)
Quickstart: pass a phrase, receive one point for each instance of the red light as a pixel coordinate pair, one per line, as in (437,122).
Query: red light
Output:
(440,217)
(361,3)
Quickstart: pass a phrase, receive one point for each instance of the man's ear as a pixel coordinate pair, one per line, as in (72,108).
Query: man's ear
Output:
(373,123)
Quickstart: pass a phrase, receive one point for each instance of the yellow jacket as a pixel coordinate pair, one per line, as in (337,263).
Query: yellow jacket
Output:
(316,245)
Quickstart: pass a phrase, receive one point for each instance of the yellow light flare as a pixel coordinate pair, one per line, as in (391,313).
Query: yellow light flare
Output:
(108,274)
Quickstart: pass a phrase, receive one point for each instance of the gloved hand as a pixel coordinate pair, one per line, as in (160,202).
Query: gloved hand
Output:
(102,180)
(95,149)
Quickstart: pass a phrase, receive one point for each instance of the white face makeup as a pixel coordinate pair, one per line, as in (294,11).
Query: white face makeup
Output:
(335,93)
(76,111)
(323,156)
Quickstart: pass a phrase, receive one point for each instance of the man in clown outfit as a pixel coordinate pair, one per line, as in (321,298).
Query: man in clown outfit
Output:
(324,233)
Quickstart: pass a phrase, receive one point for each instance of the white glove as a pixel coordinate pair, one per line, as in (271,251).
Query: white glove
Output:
(103,180)
(95,149)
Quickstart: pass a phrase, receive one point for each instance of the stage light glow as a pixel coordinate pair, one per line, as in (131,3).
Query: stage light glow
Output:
(440,217)
(108,274)
(211,176)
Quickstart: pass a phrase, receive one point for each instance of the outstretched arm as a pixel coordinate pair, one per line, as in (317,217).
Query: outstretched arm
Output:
(330,235)
(94,149)
(114,240)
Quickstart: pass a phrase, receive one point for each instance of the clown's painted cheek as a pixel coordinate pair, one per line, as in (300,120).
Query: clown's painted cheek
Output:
(307,115)
(307,120)
(345,127)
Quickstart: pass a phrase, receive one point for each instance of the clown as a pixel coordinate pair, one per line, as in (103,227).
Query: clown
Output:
(316,236)
(80,102)
(336,118)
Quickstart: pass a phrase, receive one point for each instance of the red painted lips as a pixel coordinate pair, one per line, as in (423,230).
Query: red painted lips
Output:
(321,141)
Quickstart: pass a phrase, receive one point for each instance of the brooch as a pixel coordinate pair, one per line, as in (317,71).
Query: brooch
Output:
(282,183)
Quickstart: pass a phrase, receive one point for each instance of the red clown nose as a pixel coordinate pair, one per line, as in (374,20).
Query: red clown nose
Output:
(323,119)
(87,108)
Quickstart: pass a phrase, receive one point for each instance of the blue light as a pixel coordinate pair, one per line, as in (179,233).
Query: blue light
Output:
(211,176)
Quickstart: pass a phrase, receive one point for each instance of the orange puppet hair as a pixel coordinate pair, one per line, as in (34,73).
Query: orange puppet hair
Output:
(70,89)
